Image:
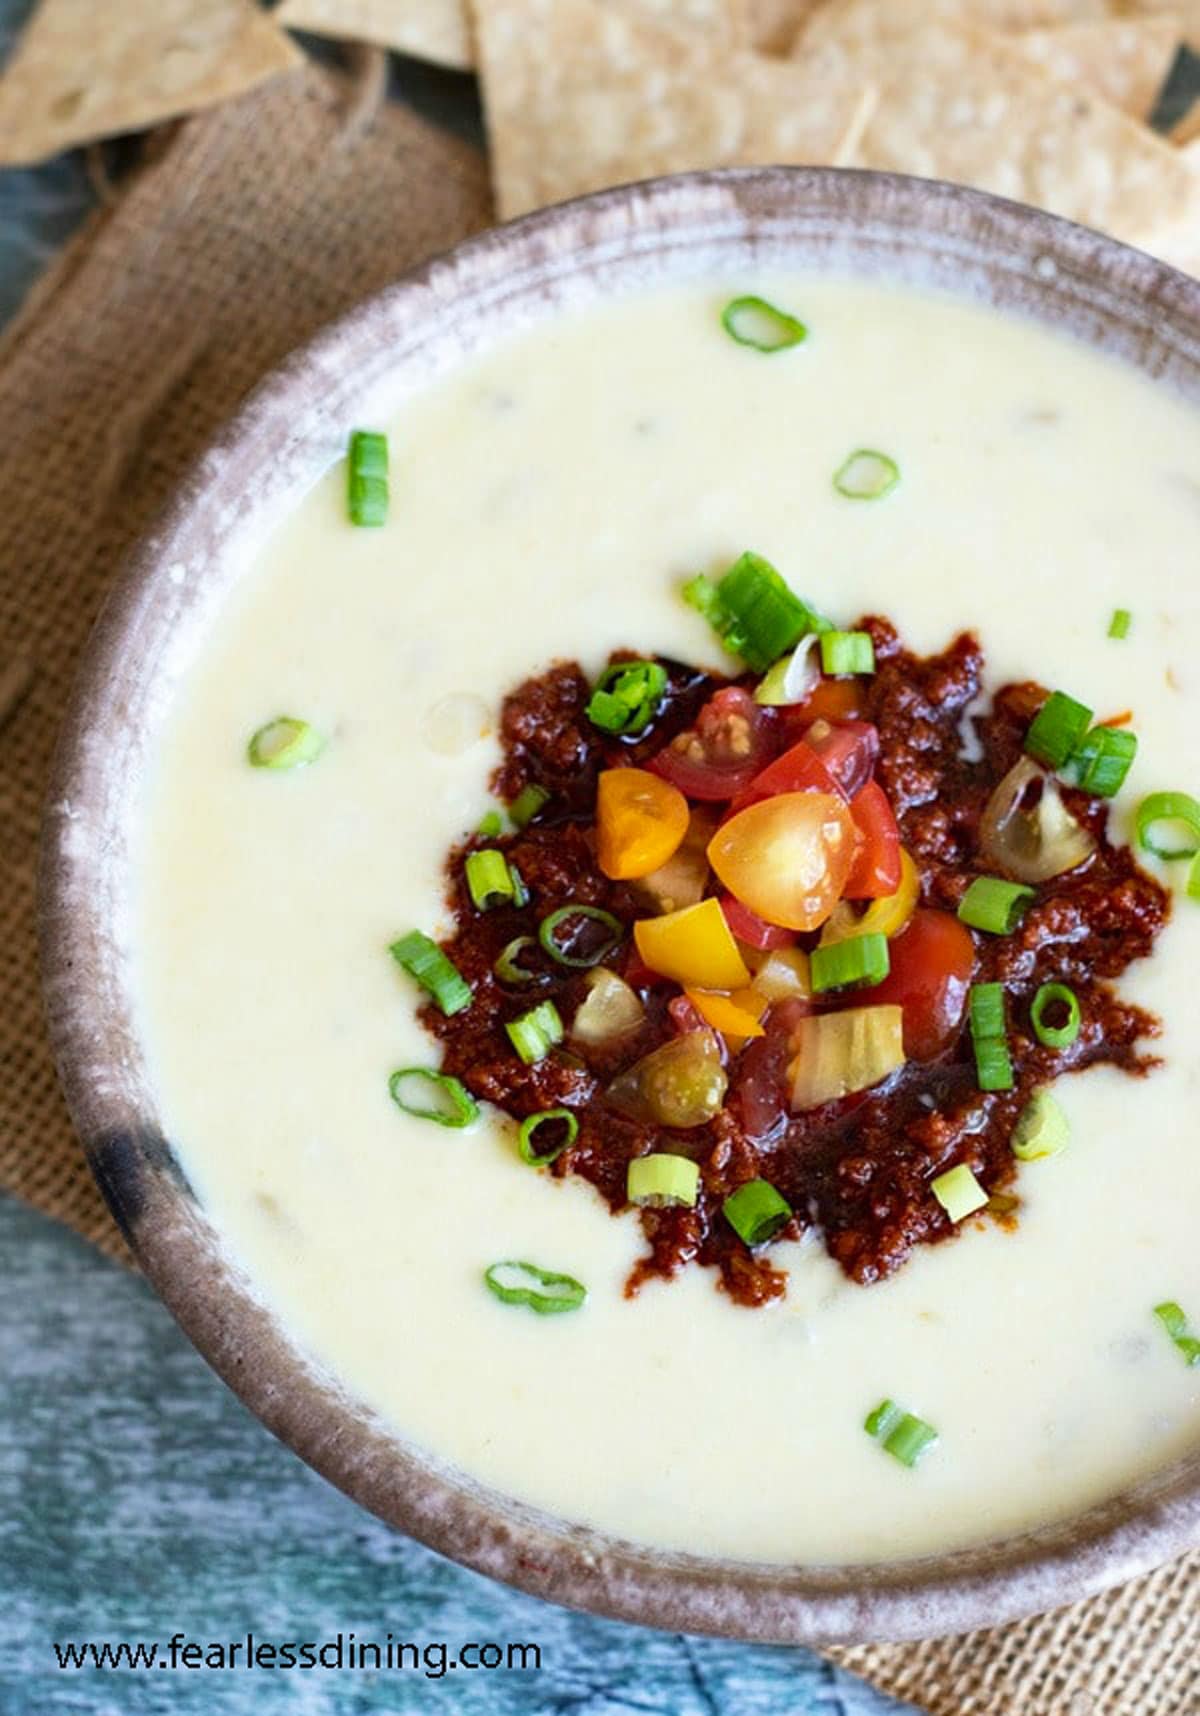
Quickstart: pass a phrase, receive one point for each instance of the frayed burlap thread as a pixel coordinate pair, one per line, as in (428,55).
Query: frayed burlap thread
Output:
(244,232)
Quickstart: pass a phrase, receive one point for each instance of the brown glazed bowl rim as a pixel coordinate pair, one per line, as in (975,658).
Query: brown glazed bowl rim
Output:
(720,226)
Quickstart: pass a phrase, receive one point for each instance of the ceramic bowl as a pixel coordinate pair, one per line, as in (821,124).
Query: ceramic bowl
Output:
(731,223)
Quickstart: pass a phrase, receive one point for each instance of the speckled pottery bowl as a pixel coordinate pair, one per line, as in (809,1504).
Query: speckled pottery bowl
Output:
(859,224)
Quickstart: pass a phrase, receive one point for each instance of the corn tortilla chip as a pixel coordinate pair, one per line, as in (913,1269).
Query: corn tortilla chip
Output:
(435,30)
(577,97)
(1123,60)
(81,71)
(959,105)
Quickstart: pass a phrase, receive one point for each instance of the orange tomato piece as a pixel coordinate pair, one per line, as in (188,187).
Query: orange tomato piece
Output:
(693,946)
(640,822)
(724,1014)
(787,857)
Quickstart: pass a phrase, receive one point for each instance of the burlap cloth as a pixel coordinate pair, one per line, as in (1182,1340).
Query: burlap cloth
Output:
(242,232)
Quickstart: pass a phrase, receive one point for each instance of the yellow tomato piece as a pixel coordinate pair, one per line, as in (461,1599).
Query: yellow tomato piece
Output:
(788,857)
(694,946)
(640,822)
(783,976)
(882,917)
(723,1014)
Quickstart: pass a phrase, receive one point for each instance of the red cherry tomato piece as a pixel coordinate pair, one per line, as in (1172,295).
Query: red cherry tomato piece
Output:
(932,963)
(875,872)
(797,770)
(833,700)
(722,753)
(761,1095)
(747,926)
(848,750)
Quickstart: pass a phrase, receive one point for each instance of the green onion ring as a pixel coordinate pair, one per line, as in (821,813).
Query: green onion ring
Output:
(508,969)
(1055,1036)
(753,322)
(463,1110)
(548,1116)
(543,1290)
(1168,807)
(284,743)
(866,475)
(549,924)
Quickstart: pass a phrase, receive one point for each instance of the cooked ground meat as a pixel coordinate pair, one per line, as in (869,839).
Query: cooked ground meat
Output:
(859,1170)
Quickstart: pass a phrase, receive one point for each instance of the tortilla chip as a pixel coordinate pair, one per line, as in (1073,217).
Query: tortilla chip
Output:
(1124,61)
(577,97)
(435,30)
(963,106)
(871,28)
(81,71)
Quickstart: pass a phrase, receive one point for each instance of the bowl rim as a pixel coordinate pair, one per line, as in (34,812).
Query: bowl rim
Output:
(179,1251)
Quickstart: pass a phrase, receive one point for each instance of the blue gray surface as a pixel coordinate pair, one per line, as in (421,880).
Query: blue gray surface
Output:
(139,1500)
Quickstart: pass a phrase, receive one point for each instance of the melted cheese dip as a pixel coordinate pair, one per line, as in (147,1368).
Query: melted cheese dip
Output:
(546,502)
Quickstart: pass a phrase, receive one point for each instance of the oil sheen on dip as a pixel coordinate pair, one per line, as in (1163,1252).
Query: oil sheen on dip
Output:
(546,502)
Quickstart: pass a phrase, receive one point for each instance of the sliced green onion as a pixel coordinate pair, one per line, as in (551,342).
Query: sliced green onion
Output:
(985,1003)
(1056,729)
(627,697)
(866,475)
(753,322)
(901,1433)
(1055,1036)
(847,652)
(661,1179)
(489,880)
(958,1192)
(554,1117)
(1177,807)
(992,905)
(425,962)
(566,952)
(1118,626)
(857,962)
(543,1290)
(520,892)
(508,967)
(452,1103)
(490,825)
(1102,760)
(757,616)
(367,491)
(1173,1320)
(535,1033)
(284,743)
(993,1064)
(1042,1130)
(756,1212)
(1193,879)
(526,805)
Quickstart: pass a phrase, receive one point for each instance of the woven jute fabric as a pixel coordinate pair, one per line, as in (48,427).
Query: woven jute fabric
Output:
(243,233)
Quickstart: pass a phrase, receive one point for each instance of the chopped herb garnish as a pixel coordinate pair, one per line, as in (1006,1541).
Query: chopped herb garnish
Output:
(490,825)
(627,697)
(569,937)
(756,614)
(526,805)
(543,1290)
(285,743)
(535,1033)
(1118,626)
(857,962)
(489,879)
(1042,1129)
(753,322)
(847,652)
(756,1212)
(446,1099)
(425,962)
(993,1064)
(367,478)
(563,1127)
(901,1433)
(958,1192)
(994,905)
(1056,729)
(1161,812)
(1102,760)
(866,475)
(661,1179)
(508,967)
(1050,998)
(1173,1320)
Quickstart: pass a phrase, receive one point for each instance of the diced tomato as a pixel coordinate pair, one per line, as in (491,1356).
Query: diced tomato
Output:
(932,963)
(761,1095)
(797,770)
(848,750)
(875,873)
(747,926)
(722,753)
(832,700)
(684,1016)
(786,857)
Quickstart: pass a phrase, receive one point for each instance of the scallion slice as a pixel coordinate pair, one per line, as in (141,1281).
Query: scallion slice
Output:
(526,805)
(661,1179)
(1179,808)
(490,825)
(284,743)
(993,1064)
(447,1100)
(535,1033)
(1193,879)
(1102,760)
(553,1118)
(847,652)
(753,322)
(1173,1320)
(627,697)
(1055,995)
(1042,1130)
(544,1290)
(866,475)
(1056,729)
(756,1212)
(553,933)
(985,1004)
(1118,626)
(757,616)
(958,1192)
(857,962)
(985,1008)
(489,879)
(367,478)
(904,1436)
(508,967)
(994,905)
(425,962)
